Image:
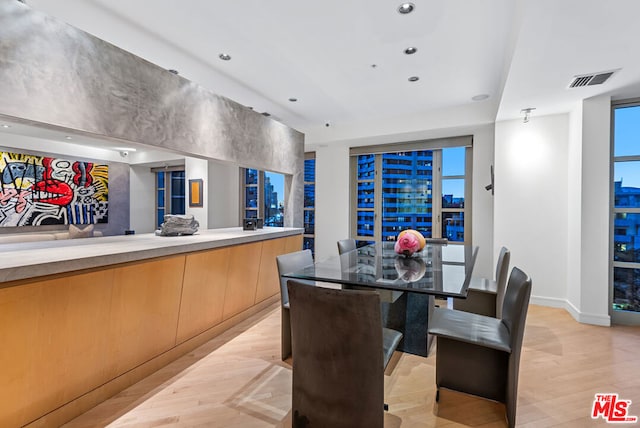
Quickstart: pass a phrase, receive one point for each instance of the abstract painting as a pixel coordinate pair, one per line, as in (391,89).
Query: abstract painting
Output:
(195,192)
(40,190)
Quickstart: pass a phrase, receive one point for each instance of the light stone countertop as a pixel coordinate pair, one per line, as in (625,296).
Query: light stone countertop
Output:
(34,259)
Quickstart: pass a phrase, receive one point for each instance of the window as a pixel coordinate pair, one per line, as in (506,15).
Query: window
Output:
(273,207)
(250,193)
(420,185)
(453,178)
(309,201)
(170,192)
(406,193)
(263,196)
(625,297)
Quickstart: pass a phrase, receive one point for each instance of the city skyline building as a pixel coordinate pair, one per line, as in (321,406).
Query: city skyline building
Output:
(626,248)
(407,186)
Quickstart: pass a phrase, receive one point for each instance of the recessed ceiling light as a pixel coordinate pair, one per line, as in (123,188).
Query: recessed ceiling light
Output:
(224,57)
(414,79)
(480,97)
(405,8)
(293,100)
(374,65)
(68,138)
(411,50)
(6,126)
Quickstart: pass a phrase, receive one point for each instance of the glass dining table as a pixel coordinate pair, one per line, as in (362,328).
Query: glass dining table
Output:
(407,285)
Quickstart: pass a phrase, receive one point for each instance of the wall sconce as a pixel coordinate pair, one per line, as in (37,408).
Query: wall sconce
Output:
(527,114)
(489,187)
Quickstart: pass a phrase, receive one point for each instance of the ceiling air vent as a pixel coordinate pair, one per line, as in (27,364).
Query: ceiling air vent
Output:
(591,79)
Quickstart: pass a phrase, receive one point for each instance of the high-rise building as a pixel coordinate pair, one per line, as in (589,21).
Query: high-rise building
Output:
(626,248)
(407,180)
(273,211)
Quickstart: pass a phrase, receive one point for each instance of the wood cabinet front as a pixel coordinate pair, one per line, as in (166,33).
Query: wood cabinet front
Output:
(69,335)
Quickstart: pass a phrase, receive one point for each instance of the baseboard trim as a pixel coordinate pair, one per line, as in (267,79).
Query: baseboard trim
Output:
(581,317)
(551,302)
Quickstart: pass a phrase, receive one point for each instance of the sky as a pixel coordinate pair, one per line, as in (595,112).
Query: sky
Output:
(627,131)
(453,164)
(627,143)
(278,184)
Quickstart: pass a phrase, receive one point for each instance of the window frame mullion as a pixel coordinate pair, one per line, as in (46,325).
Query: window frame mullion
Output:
(377,198)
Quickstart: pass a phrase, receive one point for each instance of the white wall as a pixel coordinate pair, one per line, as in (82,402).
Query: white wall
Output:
(596,158)
(142,185)
(574,209)
(223,194)
(530,211)
(482,200)
(576,171)
(195,168)
(332,199)
(332,192)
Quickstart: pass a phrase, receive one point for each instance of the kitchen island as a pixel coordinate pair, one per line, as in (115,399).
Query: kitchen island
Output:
(83,319)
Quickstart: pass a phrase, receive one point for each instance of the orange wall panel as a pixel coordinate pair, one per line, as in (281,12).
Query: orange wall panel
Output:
(244,264)
(204,286)
(144,312)
(268,280)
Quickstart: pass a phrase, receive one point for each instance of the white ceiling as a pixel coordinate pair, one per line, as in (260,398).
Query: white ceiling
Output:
(520,53)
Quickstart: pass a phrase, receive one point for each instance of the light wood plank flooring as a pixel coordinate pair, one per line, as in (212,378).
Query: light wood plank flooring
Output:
(238,380)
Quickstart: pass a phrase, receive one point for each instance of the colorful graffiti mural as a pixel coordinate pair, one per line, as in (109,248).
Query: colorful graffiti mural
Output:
(38,190)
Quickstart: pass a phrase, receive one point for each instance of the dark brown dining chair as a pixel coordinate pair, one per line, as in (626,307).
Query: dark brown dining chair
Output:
(485,296)
(347,257)
(346,245)
(480,355)
(340,352)
(436,240)
(288,263)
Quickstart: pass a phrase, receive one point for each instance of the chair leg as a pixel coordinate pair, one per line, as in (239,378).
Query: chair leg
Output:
(511,399)
(437,395)
(285,335)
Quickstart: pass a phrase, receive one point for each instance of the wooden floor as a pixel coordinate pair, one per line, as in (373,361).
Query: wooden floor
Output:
(238,380)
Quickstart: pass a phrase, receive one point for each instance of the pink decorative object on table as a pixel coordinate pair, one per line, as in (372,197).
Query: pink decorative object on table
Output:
(407,244)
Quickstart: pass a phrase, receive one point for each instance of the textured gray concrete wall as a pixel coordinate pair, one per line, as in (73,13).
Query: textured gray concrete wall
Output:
(56,75)
(118,200)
